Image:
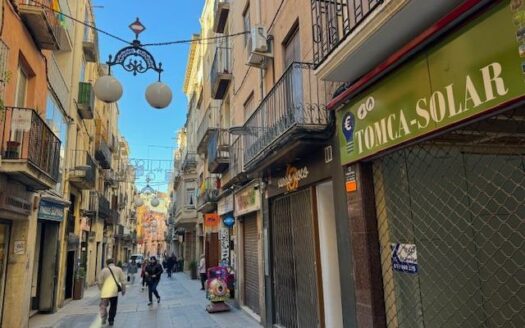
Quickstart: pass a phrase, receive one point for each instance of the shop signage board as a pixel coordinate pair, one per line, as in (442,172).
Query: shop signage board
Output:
(15,204)
(211,220)
(404,258)
(247,200)
(292,178)
(225,205)
(461,77)
(50,211)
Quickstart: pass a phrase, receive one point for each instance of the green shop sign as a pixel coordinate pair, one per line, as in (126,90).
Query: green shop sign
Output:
(474,70)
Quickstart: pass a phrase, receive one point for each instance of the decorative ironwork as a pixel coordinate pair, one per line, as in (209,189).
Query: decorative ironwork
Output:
(134,58)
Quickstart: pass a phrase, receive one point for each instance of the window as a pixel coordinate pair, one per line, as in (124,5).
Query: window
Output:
(190,197)
(83,71)
(21,87)
(57,122)
(246,23)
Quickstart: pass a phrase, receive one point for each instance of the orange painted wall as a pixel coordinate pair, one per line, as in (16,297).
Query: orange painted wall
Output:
(22,47)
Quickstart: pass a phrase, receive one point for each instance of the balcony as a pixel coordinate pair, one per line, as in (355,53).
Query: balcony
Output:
(113,218)
(189,161)
(209,124)
(89,206)
(90,45)
(57,81)
(30,150)
(221,72)
(44,25)
(82,172)
(235,174)
(222,9)
(293,111)
(351,37)
(104,210)
(207,201)
(102,152)
(86,100)
(218,151)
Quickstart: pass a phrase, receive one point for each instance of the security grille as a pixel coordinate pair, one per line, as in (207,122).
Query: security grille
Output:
(251,262)
(294,271)
(460,200)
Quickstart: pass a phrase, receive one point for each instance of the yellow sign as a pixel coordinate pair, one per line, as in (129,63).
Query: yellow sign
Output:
(292,178)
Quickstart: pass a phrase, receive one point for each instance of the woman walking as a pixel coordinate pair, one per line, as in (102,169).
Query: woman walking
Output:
(143,273)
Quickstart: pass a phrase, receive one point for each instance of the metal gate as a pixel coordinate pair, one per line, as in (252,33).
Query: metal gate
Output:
(251,262)
(453,209)
(294,271)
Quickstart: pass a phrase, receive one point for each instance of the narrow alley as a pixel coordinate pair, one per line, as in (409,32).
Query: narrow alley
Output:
(182,306)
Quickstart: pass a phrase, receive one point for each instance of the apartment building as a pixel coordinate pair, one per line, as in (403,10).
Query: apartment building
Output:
(49,126)
(435,205)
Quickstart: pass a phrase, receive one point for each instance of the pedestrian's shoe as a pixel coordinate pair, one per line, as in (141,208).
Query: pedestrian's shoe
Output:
(103,321)
(111,323)
(158,300)
(149,303)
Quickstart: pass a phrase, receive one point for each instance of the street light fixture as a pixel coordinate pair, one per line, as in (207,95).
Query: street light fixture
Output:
(135,59)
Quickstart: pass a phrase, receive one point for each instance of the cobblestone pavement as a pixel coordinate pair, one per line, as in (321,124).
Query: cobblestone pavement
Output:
(182,306)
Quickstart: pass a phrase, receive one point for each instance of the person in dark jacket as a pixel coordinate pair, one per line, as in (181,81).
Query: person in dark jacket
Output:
(171,261)
(152,273)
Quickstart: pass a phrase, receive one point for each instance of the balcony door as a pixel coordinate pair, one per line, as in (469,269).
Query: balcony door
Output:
(293,88)
(17,135)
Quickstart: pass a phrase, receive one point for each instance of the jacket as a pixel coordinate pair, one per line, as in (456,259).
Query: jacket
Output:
(106,283)
(154,271)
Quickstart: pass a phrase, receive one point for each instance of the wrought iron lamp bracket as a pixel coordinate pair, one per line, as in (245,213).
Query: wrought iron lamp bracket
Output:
(135,59)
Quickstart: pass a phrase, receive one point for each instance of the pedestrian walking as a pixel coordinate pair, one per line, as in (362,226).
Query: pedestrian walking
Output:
(143,273)
(153,272)
(171,261)
(132,270)
(111,281)
(202,271)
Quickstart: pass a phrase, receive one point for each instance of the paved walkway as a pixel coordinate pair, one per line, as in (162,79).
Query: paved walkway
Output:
(182,305)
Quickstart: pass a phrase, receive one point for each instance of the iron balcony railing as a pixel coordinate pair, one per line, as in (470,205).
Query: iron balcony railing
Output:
(221,70)
(294,107)
(335,20)
(40,12)
(210,123)
(86,100)
(218,151)
(209,191)
(26,136)
(236,157)
(190,160)
(104,209)
(89,205)
(57,81)
(82,169)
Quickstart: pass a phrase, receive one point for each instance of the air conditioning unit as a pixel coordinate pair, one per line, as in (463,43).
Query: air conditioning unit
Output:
(259,47)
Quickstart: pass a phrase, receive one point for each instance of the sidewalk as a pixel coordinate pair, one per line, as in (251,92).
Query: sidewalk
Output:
(182,305)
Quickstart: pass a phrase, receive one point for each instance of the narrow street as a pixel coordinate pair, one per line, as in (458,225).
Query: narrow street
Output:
(182,305)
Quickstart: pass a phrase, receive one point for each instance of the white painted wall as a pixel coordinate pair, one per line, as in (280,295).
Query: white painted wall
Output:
(329,260)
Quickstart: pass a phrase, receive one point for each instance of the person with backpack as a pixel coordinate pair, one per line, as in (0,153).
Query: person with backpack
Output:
(111,282)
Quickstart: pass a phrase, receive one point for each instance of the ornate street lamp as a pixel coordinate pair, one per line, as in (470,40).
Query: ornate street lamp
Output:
(135,59)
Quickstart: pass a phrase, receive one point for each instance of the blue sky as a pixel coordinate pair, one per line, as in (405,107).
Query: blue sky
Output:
(150,132)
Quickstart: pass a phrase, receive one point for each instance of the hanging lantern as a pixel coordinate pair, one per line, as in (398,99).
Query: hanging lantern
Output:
(155,202)
(138,201)
(108,89)
(158,95)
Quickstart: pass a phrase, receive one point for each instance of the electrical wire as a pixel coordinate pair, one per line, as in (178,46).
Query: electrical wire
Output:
(167,43)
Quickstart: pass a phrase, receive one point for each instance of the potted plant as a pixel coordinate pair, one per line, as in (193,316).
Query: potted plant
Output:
(193,269)
(78,286)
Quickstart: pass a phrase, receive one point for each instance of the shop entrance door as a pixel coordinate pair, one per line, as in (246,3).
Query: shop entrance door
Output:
(70,268)
(251,262)
(295,288)
(47,273)
(4,251)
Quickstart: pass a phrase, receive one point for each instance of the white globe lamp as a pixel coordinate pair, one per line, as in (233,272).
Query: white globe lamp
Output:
(108,89)
(158,95)
(155,202)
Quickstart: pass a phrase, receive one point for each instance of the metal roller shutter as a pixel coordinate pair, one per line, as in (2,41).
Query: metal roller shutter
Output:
(251,263)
